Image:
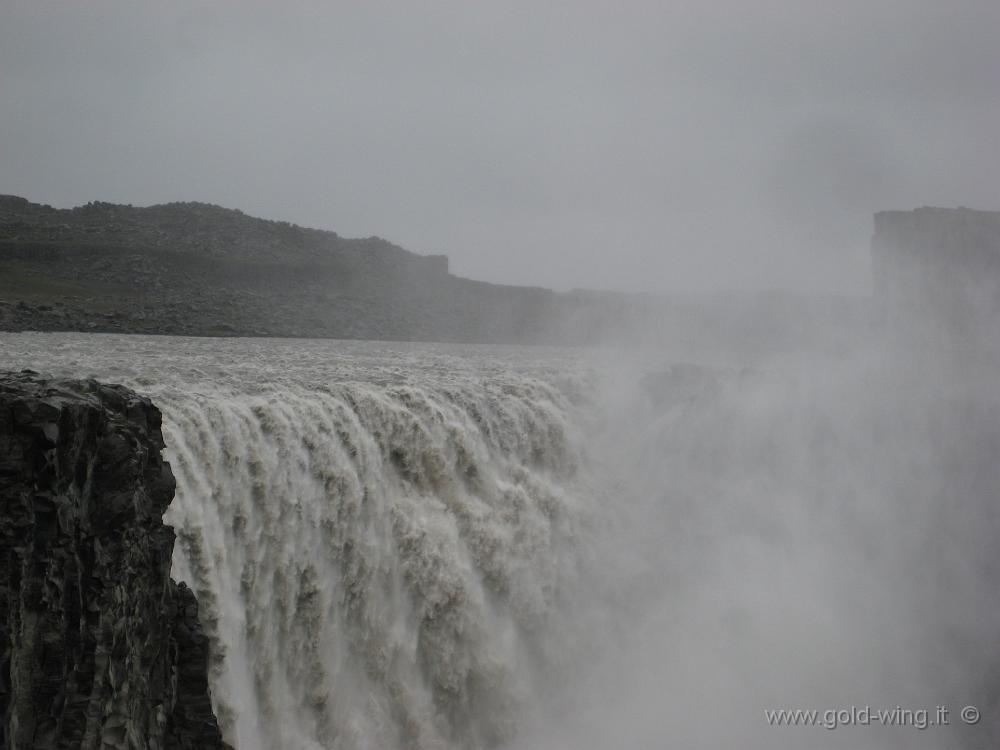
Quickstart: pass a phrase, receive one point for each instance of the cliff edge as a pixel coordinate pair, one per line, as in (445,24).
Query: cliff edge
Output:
(99,648)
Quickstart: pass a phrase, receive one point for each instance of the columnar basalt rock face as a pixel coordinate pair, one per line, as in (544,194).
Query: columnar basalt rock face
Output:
(99,648)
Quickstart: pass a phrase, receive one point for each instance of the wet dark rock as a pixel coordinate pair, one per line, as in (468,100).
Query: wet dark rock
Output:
(99,648)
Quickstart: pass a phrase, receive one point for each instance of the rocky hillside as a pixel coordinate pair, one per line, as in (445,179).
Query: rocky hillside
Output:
(99,648)
(196,269)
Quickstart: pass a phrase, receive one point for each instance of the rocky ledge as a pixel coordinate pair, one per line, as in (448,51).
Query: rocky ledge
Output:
(99,648)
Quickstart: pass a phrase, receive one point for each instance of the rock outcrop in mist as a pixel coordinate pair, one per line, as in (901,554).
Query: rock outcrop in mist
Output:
(99,648)
(938,266)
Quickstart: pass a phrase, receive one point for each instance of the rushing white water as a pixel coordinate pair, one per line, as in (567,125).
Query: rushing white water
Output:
(382,562)
(418,546)
(379,537)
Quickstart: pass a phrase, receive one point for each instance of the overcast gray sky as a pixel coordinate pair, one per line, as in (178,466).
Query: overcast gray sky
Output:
(627,145)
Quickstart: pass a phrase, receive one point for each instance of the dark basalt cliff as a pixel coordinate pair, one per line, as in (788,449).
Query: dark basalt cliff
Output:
(99,648)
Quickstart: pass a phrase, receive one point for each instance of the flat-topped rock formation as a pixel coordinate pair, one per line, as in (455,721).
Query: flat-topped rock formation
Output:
(99,648)
(938,263)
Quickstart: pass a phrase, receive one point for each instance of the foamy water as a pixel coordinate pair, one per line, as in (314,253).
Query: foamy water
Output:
(420,546)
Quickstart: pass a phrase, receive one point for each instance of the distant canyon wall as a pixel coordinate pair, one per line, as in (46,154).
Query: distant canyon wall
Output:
(203,270)
(938,265)
(197,269)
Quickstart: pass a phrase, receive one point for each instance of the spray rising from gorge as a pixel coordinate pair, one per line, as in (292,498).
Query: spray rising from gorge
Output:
(424,546)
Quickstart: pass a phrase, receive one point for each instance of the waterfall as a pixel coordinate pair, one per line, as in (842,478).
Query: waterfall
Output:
(409,547)
(378,566)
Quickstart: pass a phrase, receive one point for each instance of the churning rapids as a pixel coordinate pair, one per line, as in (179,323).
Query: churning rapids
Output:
(421,546)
